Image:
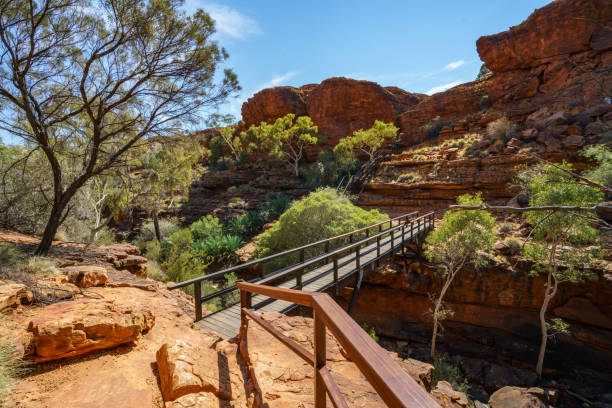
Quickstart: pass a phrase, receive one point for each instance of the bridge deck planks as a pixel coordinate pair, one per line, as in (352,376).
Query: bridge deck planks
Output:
(226,322)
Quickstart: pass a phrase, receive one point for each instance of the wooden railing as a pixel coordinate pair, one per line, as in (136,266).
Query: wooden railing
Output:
(326,252)
(394,386)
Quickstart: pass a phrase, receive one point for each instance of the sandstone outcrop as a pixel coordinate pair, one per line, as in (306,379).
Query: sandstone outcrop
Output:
(207,376)
(338,106)
(516,397)
(448,397)
(127,257)
(13,294)
(85,276)
(67,329)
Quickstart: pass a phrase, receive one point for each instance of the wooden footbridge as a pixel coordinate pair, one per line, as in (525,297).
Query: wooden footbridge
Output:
(318,267)
(315,267)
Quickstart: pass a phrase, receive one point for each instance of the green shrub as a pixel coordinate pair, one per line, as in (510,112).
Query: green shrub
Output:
(39,265)
(446,370)
(501,130)
(220,249)
(206,227)
(330,169)
(371,331)
(409,177)
(322,214)
(277,206)
(10,255)
(152,250)
(217,147)
(10,368)
(514,246)
(155,272)
(247,225)
(183,265)
(505,228)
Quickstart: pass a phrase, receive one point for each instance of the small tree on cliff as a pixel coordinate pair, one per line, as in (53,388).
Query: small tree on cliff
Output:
(286,138)
(460,239)
(367,141)
(554,230)
(102,75)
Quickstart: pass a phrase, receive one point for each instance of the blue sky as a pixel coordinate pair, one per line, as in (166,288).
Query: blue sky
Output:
(420,46)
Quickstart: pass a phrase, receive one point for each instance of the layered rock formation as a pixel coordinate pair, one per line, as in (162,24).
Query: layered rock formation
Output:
(338,106)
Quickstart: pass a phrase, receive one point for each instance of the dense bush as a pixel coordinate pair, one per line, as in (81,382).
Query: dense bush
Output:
(500,131)
(206,227)
(433,128)
(330,169)
(247,225)
(322,214)
(220,249)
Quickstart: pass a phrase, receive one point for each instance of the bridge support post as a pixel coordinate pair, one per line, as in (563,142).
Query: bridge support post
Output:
(197,297)
(320,357)
(336,273)
(355,292)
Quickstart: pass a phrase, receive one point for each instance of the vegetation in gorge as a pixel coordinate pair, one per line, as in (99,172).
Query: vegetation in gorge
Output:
(92,87)
(285,139)
(560,239)
(367,141)
(10,368)
(459,240)
(322,214)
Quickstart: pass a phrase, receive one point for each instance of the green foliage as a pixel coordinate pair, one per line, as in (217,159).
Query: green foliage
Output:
(206,227)
(461,236)
(330,169)
(322,214)
(10,255)
(218,249)
(371,331)
(484,101)
(602,173)
(286,138)
(446,370)
(38,265)
(505,228)
(409,177)
(276,207)
(368,141)
(247,225)
(216,145)
(11,368)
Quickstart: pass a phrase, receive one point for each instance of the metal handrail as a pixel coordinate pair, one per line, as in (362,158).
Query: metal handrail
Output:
(304,263)
(223,272)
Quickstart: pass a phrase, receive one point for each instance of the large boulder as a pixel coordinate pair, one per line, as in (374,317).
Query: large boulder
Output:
(13,294)
(561,27)
(200,375)
(77,327)
(516,397)
(85,276)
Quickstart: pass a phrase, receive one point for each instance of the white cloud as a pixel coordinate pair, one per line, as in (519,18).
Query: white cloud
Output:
(277,80)
(454,65)
(230,23)
(441,88)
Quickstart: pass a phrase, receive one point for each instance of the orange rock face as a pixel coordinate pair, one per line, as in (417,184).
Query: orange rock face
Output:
(555,29)
(338,106)
(73,328)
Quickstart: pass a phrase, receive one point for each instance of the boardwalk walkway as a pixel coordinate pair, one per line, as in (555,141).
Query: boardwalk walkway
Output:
(316,274)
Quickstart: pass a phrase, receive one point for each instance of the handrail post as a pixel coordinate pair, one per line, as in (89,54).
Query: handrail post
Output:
(358,257)
(392,241)
(319,361)
(245,303)
(261,270)
(351,238)
(298,276)
(336,272)
(197,297)
(378,250)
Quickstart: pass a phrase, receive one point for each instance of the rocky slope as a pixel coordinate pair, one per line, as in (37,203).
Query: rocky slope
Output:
(551,78)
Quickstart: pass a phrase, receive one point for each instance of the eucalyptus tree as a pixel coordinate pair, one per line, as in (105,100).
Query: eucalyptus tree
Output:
(284,139)
(560,238)
(369,140)
(90,80)
(461,239)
